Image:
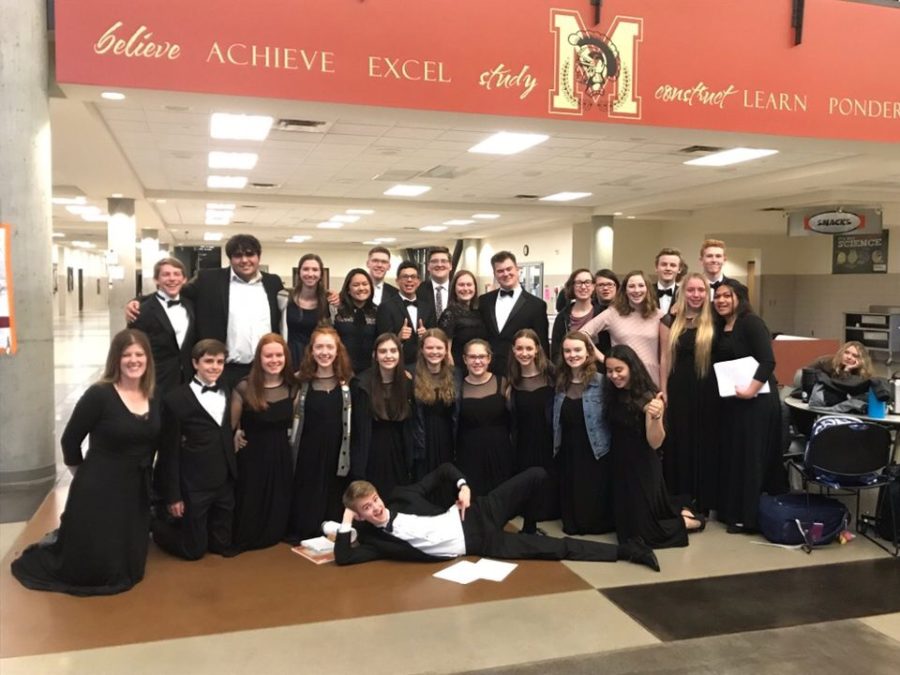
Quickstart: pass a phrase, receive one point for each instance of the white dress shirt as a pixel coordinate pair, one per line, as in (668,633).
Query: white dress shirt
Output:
(504,306)
(377,292)
(177,316)
(248,317)
(439,536)
(665,301)
(213,402)
(411,311)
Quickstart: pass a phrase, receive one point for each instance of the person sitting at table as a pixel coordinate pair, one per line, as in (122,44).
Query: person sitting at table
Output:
(850,360)
(843,381)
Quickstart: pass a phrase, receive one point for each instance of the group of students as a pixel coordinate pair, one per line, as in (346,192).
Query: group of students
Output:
(265,405)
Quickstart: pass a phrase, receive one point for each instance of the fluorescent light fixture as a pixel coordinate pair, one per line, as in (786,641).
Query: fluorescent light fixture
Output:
(343,218)
(95,217)
(113,95)
(219,206)
(617,213)
(240,127)
(298,238)
(630,217)
(232,160)
(58,235)
(508,143)
(732,156)
(330,225)
(433,228)
(360,212)
(565,196)
(458,221)
(82,244)
(63,201)
(212,236)
(485,216)
(116,195)
(407,190)
(385,240)
(214,217)
(79,209)
(371,242)
(233,182)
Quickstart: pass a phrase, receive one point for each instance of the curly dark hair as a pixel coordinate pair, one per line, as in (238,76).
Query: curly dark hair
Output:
(627,404)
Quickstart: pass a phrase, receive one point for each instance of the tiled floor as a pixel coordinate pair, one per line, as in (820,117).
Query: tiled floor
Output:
(532,625)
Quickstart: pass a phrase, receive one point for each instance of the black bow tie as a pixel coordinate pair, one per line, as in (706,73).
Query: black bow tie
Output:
(666,291)
(411,303)
(506,294)
(168,302)
(714,285)
(390,523)
(207,387)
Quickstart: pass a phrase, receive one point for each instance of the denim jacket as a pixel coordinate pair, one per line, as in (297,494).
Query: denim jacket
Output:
(594,417)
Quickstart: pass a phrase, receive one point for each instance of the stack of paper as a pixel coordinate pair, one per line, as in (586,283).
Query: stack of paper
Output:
(465,572)
(737,373)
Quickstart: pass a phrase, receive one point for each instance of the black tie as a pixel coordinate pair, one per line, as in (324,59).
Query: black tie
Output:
(207,387)
(506,294)
(390,523)
(715,285)
(170,303)
(665,291)
(410,303)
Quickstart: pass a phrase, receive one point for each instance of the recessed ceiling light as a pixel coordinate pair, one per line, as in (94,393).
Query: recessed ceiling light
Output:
(233,182)
(617,213)
(240,127)
(407,190)
(298,238)
(220,206)
(732,156)
(508,143)
(565,196)
(360,212)
(212,236)
(62,201)
(370,243)
(385,240)
(58,235)
(458,221)
(95,217)
(330,225)
(232,160)
(630,217)
(113,96)
(214,217)
(343,218)
(81,209)
(485,216)
(160,201)
(116,195)
(433,228)
(82,244)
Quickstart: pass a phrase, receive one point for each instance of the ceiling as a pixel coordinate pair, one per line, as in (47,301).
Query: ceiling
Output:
(153,146)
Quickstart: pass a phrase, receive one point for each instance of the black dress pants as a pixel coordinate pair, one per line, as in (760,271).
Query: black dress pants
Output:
(205,526)
(523,494)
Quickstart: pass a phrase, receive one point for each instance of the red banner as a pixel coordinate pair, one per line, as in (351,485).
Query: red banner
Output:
(728,65)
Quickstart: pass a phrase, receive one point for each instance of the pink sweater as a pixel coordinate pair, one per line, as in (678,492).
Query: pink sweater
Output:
(641,334)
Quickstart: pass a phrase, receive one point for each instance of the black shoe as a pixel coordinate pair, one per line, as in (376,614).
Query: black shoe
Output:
(636,551)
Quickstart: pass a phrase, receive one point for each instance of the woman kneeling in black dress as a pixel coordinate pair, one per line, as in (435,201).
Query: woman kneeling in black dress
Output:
(643,507)
(100,547)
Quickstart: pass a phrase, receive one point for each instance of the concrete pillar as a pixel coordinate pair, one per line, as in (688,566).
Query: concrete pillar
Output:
(120,257)
(150,253)
(27,456)
(592,243)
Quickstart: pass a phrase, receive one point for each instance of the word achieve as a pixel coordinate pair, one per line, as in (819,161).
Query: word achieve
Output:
(414,70)
(278,58)
(139,44)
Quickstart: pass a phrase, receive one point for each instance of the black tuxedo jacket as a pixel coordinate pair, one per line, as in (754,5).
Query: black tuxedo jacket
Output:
(388,291)
(173,364)
(209,292)
(418,499)
(195,452)
(390,316)
(425,294)
(528,312)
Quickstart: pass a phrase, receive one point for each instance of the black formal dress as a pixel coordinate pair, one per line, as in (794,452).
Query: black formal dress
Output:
(262,491)
(483,445)
(585,482)
(532,435)
(438,429)
(317,486)
(300,326)
(100,547)
(642,505)
(750,433)
(691,449)
(527,312)
(356,328)
(461,324)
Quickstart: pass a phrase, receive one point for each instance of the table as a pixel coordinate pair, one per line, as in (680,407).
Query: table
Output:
(892,420)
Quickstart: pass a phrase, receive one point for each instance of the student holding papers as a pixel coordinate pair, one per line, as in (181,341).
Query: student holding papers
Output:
(750,449)
(412,526)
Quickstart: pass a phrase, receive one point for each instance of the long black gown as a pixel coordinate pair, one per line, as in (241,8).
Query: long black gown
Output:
(483,447)
(317,487)
(438,422)
(100,547)
(461,324)
(750,433)
(263,488)
(300,325)
(585,482)
(643,506)
(532,404)
(690,451)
